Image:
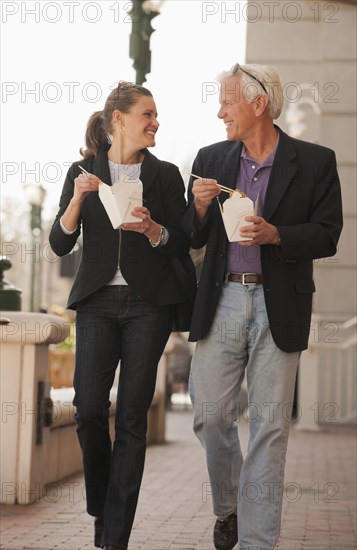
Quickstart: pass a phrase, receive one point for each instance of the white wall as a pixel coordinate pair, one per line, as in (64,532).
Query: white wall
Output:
(315,43)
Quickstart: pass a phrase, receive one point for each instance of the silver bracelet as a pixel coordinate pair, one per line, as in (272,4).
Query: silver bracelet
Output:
(160,239)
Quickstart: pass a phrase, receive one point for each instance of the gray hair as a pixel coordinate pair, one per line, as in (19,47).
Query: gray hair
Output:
(253,84)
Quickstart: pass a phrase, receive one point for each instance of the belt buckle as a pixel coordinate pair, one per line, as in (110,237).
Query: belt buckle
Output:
(243,279)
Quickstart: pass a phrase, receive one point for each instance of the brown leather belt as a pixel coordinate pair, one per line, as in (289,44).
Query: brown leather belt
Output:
(245,278)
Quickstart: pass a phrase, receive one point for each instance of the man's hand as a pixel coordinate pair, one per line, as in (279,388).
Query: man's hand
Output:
(204,191)
(261,232)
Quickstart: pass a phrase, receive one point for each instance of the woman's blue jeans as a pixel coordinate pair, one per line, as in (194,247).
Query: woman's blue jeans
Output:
(112,325)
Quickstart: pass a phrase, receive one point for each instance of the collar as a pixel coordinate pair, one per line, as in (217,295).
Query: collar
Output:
(266,162)
(149,168)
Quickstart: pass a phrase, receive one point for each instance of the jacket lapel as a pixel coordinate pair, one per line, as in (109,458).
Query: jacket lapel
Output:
(230,168)
(282,173)
(232,154)
(101,166)
(149,170)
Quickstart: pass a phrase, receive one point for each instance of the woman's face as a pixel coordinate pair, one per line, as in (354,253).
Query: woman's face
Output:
(138,127)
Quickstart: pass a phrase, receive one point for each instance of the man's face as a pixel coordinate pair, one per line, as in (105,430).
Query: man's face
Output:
(236,113)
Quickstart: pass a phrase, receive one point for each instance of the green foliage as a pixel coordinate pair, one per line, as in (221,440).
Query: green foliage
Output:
(69,344)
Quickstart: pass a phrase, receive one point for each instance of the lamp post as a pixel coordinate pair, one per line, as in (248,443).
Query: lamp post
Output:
(295,114)
(142,12)
(10,296)
(35,195)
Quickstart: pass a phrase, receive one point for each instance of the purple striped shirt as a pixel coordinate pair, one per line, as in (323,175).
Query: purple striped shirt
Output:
(252,179)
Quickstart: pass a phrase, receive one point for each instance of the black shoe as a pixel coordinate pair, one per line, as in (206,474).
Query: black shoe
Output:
(225,533)
(98,532)
(110,547)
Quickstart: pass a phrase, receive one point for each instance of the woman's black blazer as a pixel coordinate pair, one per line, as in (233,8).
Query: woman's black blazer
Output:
(147,270)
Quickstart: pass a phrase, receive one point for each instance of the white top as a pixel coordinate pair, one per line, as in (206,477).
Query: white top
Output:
(117,172)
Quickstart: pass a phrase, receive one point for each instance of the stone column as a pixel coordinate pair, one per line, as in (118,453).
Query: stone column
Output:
(315,43)
(25,402)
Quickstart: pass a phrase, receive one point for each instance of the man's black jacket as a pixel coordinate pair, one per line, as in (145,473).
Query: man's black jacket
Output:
(303,200)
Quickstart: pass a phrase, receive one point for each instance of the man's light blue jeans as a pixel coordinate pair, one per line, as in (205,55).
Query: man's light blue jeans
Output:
(239,340)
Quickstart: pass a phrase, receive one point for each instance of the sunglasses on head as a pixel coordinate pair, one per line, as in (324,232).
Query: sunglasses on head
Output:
(236,68)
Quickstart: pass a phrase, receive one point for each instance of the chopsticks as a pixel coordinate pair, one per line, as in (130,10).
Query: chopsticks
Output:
(224,188)
(83,170)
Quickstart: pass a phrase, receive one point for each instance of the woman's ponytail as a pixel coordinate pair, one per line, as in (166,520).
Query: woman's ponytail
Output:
(96,136)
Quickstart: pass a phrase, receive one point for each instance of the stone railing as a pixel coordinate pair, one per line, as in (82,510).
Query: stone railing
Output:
(25,401)
(328,374)
(38,439)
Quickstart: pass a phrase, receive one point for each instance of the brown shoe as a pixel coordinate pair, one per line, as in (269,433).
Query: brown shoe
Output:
(225,533)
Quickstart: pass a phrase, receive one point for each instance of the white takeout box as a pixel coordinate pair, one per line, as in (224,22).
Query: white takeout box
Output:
(233,211)
(120,199)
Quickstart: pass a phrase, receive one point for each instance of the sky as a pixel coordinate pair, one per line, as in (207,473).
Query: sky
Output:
(60,60)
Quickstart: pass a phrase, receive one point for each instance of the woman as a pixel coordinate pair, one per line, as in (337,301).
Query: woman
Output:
(123,293)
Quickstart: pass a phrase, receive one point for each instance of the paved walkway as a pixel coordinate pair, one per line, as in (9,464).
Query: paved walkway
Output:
(174,511)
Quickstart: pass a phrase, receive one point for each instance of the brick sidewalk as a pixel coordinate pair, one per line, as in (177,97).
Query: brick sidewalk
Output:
(174,512)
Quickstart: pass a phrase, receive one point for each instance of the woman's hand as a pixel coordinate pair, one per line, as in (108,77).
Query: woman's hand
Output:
(83,185)
(144,225)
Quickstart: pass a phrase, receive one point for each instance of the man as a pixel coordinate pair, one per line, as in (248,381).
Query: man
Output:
(253,306)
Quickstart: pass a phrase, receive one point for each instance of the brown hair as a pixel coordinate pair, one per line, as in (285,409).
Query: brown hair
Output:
(99,126)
